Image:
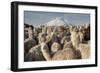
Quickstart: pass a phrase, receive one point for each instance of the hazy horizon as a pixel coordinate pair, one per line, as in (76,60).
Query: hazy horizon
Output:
(37,18)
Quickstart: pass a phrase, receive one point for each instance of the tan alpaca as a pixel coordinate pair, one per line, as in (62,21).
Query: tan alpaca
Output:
(68,45)
(81,36)
(51,35)
(45,51)
(66,42)
(49,30)
(84,48)
(82,33)
(44,30)
(41,37)
(75,38)
(66,54)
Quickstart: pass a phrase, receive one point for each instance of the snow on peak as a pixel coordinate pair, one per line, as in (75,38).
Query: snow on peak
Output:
(58,21)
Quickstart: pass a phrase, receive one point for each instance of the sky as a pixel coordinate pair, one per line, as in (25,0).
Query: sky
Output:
(37,18)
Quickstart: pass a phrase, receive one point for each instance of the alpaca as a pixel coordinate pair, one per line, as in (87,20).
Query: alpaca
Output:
(41,37)
(50,38)
(66,54)
(81,34)
(65,39)
(30,32)
(65,42)
(83,48)
(75,38)
(35,31)
(68,45)
(49,30)
(44,30)
(87,32)
(29,43)
(34,54)
(45,51)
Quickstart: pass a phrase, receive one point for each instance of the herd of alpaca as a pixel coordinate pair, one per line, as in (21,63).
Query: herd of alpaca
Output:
(55,43)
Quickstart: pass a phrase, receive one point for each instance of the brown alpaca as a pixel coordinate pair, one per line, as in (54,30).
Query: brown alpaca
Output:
(87,33)
(34,54)
(28,43)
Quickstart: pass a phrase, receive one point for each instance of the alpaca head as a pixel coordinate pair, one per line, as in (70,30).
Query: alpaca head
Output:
(49,30)
(73,29)
(67,42)
(42,37)
(30,32)
(82,29)
(65,39)
(44,30)
(31,27)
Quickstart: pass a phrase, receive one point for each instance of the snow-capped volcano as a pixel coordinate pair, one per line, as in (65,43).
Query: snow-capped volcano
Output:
(57,22)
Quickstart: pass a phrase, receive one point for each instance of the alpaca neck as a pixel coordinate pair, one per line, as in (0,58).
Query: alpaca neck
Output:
(75,39)
(45,51)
